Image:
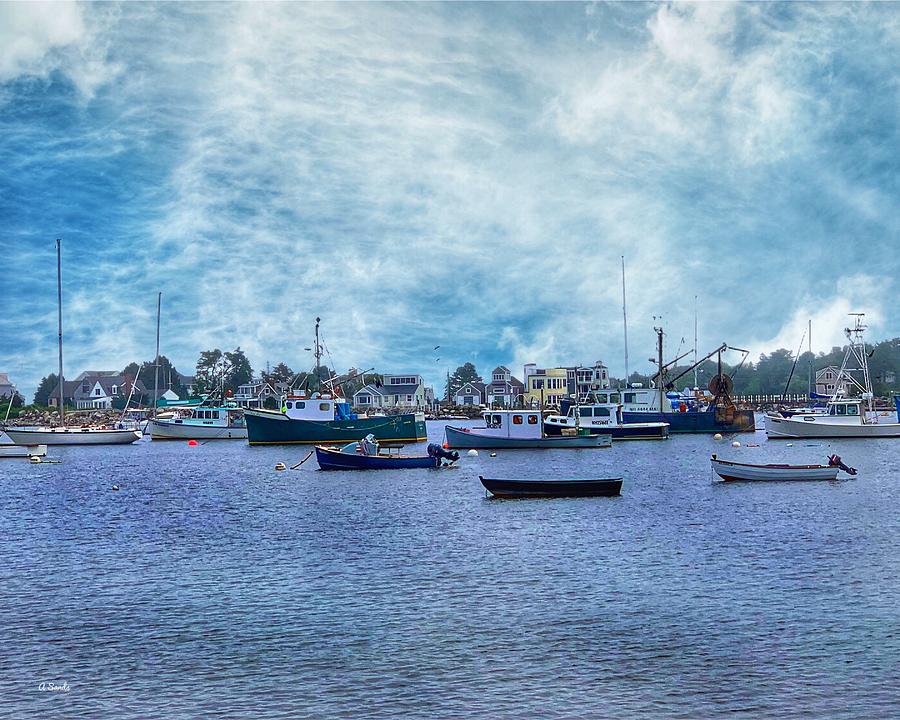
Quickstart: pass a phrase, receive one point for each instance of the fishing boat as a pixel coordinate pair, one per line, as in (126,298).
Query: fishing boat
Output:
(596,415)
(732,471)
(514,429)
(324,417)
(213,422)
(368,455)
(844,416)
(85,435)
(607,487)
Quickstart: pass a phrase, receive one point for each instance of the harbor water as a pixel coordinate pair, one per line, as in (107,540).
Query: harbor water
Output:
(210,585)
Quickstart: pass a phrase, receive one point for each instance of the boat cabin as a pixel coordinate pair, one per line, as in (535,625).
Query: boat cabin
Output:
(208,416)
(600,414)
(511,424)
(316,408)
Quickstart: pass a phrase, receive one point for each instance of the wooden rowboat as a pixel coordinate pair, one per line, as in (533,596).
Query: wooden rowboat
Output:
(607,487)
(367,455)
(734,471)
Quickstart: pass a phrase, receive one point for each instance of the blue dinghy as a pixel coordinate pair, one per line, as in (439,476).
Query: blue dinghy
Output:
(366,455)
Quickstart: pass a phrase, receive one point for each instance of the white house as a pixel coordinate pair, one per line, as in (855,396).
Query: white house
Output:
(368,396)
(583,379)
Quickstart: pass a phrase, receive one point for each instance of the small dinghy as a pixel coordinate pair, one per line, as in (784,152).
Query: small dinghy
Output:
(734,471)
(552,488)
(367,455)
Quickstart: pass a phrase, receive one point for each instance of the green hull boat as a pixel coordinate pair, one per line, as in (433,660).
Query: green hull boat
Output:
(271,427)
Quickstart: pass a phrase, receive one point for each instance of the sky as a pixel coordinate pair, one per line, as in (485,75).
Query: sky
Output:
(459,175)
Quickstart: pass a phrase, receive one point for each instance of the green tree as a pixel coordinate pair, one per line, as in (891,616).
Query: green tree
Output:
(238,370)
(45,387)
(463,374)
(208,373)
(279,373)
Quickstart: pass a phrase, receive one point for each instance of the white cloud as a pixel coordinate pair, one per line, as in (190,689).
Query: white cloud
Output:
(37,38)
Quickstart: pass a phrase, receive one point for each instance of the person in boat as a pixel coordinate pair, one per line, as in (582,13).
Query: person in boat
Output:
(368,445)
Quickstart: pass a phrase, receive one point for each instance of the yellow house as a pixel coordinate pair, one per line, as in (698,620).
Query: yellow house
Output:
(545,386)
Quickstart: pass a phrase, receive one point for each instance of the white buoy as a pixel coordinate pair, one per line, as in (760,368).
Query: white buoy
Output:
(790,445)
(735,444)
(472,453)
(280,466)
(115,487)
(493,454)
(717,436)
(34,459)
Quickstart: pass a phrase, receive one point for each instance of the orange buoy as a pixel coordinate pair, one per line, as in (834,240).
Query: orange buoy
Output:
(446,446)
(193,443)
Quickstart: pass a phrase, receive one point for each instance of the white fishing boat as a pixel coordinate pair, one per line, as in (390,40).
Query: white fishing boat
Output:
(85,435)
(223,422)
(844,417)
(519,429)
(597,416)
(731,471)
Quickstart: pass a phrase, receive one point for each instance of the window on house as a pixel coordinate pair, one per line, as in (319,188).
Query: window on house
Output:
(97,391)
(538,384)
(115,389)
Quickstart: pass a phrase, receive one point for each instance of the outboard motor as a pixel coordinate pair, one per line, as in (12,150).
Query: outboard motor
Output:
(436,451)
(835,461)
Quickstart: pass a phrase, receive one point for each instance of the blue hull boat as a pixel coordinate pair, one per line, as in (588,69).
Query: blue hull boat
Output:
(367,457)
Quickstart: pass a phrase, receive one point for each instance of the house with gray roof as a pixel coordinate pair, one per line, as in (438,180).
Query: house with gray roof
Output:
(103,391)
(504,389)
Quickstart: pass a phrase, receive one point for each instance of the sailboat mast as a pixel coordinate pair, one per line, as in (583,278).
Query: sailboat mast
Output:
(695,341)
(156,361)
(809,369)
(659,366)
(62,407)
(625,321)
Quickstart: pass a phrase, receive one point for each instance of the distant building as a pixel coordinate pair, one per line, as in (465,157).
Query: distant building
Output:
(395,391)
(826,378)
(7,389)
(103,390)
(471,393)
(504,389)
(582,380)
(545,386)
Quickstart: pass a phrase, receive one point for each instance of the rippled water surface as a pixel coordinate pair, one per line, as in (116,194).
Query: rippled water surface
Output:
(210,585)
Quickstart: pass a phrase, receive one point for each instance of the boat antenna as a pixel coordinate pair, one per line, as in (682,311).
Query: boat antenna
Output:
(659,361)
(62,407)
(624,321)
(156,361)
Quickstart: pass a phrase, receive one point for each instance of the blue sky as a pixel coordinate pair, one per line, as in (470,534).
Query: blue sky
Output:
(462,175)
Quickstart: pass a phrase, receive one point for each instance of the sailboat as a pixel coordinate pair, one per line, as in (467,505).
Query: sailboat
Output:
(844,416)
(86,435)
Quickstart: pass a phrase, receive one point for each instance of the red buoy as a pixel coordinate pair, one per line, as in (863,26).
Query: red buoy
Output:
(193,443)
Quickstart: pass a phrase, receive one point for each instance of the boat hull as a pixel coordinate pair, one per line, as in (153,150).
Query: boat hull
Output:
(628,431)
(335,460)
(73,436)
(270,427)
(460,439)
(22,451)
(731,471)
(171,430)
(696,422)
(552,488)
(781,428)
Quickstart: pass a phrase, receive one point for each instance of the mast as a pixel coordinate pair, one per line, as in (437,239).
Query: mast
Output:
(156,361)
(624,321)
(695,341)
(62,407)
(318,354)
(659,365)
(809,369)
